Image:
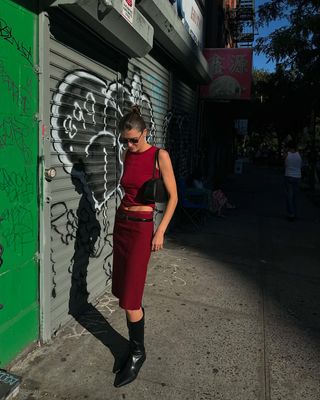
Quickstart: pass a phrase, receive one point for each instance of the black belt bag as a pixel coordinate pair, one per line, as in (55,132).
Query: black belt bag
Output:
(132,218)
(154,190)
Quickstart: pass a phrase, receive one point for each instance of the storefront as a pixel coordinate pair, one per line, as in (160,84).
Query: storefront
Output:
(93,76)
(96,60)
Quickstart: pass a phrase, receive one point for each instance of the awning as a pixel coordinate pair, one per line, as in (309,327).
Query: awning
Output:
(105,18)
(171,34)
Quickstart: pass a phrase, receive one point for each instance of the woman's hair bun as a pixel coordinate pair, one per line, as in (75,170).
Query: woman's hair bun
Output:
(132,120)
(136,110)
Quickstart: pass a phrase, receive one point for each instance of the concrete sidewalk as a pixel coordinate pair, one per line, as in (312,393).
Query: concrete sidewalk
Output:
(232,313)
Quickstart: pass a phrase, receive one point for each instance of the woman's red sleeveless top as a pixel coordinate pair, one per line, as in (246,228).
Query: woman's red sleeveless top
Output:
(137,169)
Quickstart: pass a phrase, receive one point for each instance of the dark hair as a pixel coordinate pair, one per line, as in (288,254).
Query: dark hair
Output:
(132,120)
(291,144)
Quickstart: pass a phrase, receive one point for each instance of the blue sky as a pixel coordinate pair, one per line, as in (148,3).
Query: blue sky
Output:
(260,61)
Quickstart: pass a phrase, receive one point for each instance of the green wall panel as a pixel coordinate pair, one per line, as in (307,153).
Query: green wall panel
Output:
(19,303)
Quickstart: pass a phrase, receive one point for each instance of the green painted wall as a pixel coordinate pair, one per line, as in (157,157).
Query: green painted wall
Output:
(19,303)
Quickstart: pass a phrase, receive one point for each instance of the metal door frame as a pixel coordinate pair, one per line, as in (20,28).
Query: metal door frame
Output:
(44,186)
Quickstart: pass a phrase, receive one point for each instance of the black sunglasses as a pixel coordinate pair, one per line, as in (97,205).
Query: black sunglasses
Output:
(133,140)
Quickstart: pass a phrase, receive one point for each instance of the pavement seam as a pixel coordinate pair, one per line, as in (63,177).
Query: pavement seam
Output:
(267,389)
(266,369)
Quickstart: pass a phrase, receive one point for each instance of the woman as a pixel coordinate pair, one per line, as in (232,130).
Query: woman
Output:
(293,163)
(133,235)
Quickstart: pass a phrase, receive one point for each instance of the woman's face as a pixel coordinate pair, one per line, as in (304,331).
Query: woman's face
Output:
(133,139)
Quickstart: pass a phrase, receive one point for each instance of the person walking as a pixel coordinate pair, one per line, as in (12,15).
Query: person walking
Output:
(293,164)
(133,235)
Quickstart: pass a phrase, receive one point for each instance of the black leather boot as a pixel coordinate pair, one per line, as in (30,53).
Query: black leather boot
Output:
(137,354)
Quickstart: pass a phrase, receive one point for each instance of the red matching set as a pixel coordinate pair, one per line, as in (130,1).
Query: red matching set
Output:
(133,232)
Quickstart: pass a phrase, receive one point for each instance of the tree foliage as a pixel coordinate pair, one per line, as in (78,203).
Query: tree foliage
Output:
(295,48)
(279,106)
(291,93)
(296,45)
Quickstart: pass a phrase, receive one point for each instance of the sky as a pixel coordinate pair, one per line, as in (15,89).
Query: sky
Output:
(260,61)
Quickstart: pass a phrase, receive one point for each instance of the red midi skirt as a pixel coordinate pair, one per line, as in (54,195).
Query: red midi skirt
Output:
(131,254)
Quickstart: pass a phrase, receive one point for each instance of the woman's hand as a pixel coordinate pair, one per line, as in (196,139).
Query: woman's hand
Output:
(157,241)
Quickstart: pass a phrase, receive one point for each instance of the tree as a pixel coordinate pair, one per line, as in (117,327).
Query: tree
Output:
(279,107)
(296,47)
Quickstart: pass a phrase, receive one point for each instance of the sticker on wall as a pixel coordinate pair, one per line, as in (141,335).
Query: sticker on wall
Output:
(128,7)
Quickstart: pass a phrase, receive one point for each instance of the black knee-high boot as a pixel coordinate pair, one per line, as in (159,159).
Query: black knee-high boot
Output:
(137,354)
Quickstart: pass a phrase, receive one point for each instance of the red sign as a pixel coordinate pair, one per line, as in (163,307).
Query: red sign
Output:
(231,74)
(231,3)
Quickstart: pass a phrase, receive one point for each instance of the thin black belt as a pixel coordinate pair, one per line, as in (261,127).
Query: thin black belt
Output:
(131,218)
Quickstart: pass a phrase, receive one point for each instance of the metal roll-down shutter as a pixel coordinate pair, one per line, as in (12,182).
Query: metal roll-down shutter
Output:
(83,195)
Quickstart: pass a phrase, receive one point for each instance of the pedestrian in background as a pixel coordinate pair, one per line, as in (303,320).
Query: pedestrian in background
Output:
(293,164)
(133,236)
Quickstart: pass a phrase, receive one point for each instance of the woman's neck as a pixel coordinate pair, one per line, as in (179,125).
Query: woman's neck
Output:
(145,147)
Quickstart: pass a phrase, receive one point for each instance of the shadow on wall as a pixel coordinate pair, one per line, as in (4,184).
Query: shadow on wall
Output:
(76,36)
(31,5)
(87,235)
(178,141)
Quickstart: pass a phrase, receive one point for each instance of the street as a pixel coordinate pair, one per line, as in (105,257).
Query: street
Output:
(232,313)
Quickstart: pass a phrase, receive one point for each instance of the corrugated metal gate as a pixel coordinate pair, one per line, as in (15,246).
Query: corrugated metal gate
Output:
(86,157)
(86,101)
(182,138)
(150,85)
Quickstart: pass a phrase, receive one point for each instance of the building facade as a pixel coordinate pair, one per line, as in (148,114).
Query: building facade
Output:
(67,78)
(229,35)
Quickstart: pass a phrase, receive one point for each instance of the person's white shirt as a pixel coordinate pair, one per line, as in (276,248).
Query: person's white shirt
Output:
(293,164)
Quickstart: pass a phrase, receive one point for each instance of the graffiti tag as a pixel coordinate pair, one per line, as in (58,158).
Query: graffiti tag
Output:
(16,185)
(14,133)
(21,94)
(7,35)
(18,230)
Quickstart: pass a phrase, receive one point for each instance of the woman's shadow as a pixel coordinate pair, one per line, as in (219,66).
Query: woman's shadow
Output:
(88,232)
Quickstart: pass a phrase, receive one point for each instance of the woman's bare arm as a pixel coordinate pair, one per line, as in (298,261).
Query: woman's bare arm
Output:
(170,183)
